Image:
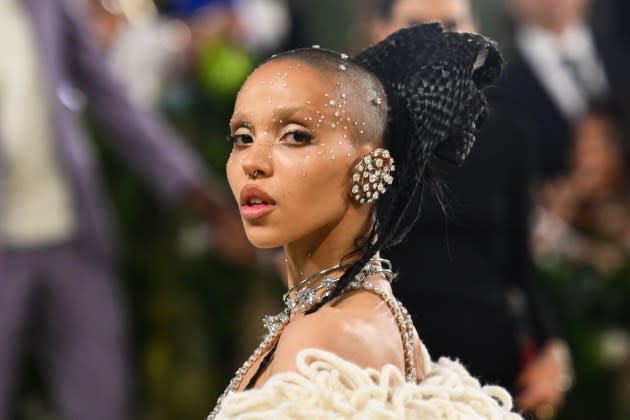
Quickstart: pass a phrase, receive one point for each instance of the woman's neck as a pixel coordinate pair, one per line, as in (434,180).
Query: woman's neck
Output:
(322,250)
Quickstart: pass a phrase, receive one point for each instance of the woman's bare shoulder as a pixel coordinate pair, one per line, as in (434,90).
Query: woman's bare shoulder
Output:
(346,333)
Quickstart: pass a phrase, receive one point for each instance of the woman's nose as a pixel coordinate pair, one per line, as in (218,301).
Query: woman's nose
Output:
(257,162)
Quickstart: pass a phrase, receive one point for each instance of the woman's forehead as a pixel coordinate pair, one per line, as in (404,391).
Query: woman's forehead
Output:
(288,79)
(325,97)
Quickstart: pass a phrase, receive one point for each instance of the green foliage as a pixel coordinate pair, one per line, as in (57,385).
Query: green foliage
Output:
(592,311)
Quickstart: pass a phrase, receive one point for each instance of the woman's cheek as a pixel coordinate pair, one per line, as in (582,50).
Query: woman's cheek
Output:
(232,177)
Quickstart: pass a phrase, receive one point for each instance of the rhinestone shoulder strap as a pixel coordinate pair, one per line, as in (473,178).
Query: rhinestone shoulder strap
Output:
(403,321)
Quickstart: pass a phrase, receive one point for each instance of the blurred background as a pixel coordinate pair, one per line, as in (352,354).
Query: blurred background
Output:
(193,315)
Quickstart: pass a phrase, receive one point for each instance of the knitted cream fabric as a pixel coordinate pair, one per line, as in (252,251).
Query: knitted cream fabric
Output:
(328,387)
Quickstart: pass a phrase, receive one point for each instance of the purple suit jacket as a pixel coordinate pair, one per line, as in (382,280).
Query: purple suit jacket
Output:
(71,62)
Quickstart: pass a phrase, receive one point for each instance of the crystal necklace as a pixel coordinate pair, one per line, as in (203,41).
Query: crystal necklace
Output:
(302,297)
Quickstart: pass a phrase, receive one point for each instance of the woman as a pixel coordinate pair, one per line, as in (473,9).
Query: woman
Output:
(331,155)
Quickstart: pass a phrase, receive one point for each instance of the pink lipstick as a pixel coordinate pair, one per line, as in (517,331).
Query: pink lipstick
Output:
(255,203)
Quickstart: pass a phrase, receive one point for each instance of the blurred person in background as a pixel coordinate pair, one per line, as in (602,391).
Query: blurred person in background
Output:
(480,272)
(143,48)
(57,254)
(558,67)
(593,199)
(610,19)
(582,246)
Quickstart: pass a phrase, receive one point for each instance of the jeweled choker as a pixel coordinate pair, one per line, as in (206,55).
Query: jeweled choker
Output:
(301,297)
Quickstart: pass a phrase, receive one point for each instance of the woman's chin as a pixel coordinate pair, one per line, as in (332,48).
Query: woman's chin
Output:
(264,241)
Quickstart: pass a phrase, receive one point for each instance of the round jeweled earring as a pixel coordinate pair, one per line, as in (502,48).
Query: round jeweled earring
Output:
(371,174)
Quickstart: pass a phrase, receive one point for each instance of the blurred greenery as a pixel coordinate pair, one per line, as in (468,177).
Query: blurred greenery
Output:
(592,310)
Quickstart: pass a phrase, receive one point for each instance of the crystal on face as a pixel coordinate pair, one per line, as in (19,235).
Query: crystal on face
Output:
(342,67)
(372,178)
(379,163)
(344,56)
(356,177)
(355,189)
(366,187)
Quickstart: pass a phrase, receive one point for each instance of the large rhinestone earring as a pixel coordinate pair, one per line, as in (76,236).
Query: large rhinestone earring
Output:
(371,174)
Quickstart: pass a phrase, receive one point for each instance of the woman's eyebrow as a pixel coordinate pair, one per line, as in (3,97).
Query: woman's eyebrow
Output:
(239,122)
(286,113)
(281,115)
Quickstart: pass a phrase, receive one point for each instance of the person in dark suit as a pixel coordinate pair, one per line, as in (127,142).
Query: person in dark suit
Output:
(478,300)
(57,255)
(557,68)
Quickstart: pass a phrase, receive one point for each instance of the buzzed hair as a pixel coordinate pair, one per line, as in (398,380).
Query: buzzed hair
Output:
(364,92)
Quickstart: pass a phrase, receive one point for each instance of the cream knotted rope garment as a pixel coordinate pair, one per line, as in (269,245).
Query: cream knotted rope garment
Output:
(327,387)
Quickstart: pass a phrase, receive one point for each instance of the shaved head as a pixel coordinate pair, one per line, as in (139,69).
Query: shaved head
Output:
(365,97)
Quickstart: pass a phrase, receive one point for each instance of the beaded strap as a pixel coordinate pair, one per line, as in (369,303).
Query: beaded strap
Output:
(275,325)
(403,321)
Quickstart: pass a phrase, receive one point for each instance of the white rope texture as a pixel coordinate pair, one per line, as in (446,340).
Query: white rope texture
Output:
(327,387)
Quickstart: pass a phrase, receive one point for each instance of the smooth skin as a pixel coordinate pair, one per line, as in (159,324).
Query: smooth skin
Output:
(304,162)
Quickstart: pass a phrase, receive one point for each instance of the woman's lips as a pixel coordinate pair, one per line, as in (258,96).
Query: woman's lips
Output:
(255,203)
(255,211)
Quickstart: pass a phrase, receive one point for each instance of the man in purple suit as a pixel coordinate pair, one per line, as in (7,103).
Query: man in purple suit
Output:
(56,253)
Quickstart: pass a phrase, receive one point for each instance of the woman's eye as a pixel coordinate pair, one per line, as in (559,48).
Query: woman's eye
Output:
(297,137)
(241,139)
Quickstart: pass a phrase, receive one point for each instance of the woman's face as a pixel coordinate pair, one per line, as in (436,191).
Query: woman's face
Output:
(296,141)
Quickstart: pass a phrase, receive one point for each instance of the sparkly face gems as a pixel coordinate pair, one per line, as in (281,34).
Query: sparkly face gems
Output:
(371,175)
(292,129)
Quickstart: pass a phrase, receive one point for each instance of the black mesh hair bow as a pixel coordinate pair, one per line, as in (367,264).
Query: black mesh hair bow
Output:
(435,83)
